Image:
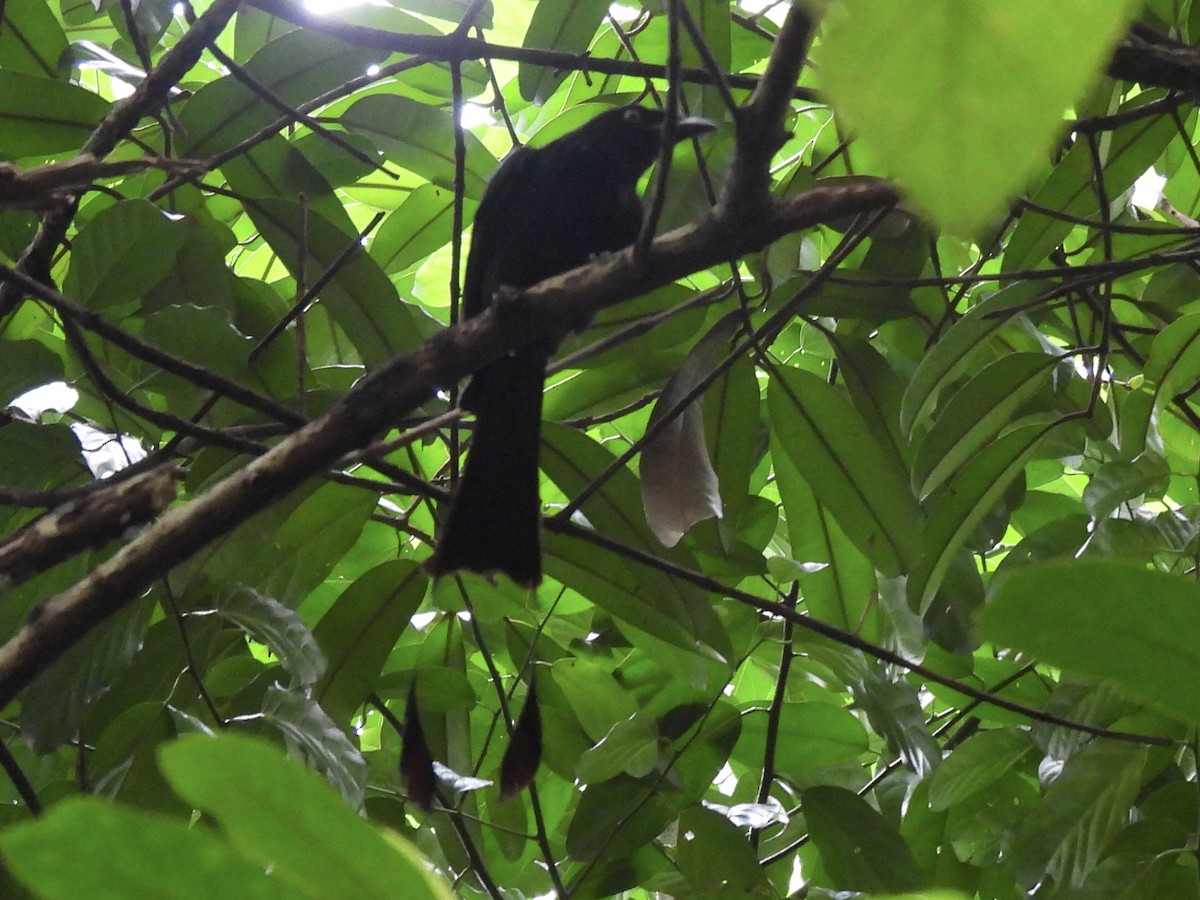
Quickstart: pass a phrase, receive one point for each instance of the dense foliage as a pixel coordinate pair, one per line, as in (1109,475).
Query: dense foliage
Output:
(871,533)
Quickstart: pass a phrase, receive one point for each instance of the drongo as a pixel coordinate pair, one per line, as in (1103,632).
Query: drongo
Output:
(545,211)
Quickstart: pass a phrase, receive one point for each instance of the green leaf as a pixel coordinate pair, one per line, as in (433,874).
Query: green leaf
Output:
(294,67)
(567,26)
(976,416)
(359,296)
(43,117)
(314,737)
(281,629)
(837,579)
(965,501)
(40,456)
(847,469)
(1119,482)
(894,710)
(935,118)
(860,849)
(617,817)
(960,347)
(597,699)
(1105,619)
(423,223)
(653,601)
(420,138)
(31,39)
(1174,363)
(630,747)
(734,433)
(27,364)
(57,701)
(109,848)
(875,390)
(812,736)
(715,858)
(308,533)
(713,18)
(360,630)
(976,765)
(204,335)
(122,253)
(1066,834)
(644,598)
(1071,186)
(287,819)
(276,168)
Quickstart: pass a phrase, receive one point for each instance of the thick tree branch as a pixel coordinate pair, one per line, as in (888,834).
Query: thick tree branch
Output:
(742,221)
(1155,60)
(86,522)
(549,308)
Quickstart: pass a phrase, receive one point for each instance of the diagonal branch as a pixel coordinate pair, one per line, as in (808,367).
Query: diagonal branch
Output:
(408,380)
(740,223)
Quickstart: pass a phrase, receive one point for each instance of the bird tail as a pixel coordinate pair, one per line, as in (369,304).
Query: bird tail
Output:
(495,518)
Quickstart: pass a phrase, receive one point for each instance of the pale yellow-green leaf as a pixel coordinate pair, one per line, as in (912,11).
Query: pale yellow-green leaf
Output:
(962,101)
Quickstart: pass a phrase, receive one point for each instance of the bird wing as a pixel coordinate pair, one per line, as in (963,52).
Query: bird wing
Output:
(508,183)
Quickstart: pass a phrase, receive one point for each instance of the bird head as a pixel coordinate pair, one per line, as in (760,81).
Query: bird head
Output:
(630,136)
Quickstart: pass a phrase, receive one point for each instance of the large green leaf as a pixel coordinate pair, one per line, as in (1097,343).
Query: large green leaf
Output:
(965,343)
(713,851)
(1105,619)
(41,116)
(276,626)
(847,469)
(975,765)
(810,737)
(567,26)
(27,364)
(121,253)
(315,738)
(360,630)
(59,698)
(288,820)
(965,501)
(110,846)
(294,67)
(976,416)
(1086,805)
(1070,188)
(935,119)
(31,39)
(359,297)
(423,223)
(837,578)
(861,850)
(661,604)
(420,138)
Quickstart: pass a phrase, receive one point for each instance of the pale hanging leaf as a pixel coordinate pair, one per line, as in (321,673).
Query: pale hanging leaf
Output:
(679,484)
(457,782)
(281,629)
(751,815)
(317,740)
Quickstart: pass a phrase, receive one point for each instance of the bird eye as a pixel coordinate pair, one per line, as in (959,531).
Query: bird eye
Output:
(633,115)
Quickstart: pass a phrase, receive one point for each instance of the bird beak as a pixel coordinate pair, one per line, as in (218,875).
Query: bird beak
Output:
(693,126)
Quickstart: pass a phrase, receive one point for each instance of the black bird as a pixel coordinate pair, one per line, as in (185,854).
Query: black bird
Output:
(545,211)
